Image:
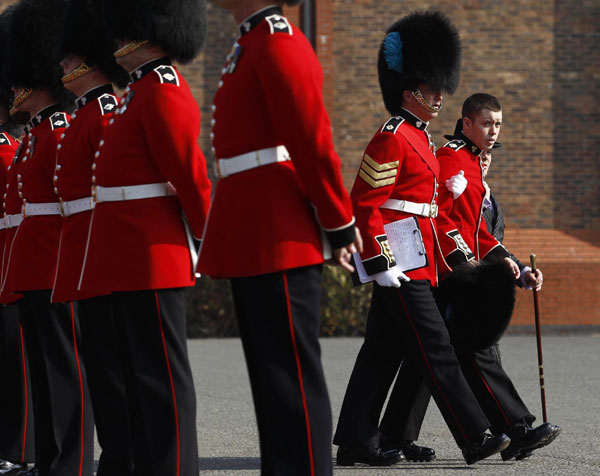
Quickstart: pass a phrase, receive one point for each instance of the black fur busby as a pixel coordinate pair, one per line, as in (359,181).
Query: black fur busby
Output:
(477,303)
(5,91)
(34,47)
(177,26)
(85,35)
(422,47)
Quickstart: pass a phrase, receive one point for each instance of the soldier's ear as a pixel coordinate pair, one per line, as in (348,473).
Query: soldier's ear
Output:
(467,123)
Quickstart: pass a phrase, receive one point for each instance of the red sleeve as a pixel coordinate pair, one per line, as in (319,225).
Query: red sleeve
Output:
(372,187)
(172,131)
(300,119)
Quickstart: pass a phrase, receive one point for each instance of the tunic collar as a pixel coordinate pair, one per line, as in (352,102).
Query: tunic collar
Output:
(93,94)
(254,19)
(413,120)
(40,117)
(148,67)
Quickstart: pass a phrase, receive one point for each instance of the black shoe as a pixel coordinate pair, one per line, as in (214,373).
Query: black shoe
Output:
(372,456)
(486,445)
(8,469)
(528,439)
(409,449)
(32,472)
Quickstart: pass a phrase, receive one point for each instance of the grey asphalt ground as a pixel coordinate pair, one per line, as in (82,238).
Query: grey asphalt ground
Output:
(228,442)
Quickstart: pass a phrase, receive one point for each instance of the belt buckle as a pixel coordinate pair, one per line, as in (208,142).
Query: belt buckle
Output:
(433,210)
(24,209)
(61,208)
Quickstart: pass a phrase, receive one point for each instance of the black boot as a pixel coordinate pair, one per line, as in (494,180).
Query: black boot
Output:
(8,469)
(408,448)
(486,445)
(525,439)
(372,456)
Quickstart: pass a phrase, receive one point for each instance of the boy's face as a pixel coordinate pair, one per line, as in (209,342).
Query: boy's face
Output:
(486,161)
(483,128)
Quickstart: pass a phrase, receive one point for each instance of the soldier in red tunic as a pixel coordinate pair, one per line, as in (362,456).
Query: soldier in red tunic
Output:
(63,418)
(16,415)
(151,197)
(89,68)
(398,180)
(280,206)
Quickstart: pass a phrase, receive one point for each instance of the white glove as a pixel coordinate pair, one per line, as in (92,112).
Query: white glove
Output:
(457,184)
(392,278)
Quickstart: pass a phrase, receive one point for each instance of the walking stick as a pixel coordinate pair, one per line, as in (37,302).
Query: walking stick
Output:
(538,334)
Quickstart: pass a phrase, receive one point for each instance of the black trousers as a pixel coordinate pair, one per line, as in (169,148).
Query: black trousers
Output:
(16,412)
(149,381)
(64,426)
(279,321)
(490,384)
(406,323)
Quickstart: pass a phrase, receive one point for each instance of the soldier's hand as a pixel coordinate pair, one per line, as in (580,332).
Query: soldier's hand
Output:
(457,184)
(513,267)
(533,280)
(392,278)
(342,256)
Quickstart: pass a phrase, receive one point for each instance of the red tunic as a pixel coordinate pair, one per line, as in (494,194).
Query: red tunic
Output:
(399,164)
(274,217)
(465,213)
(8,148)
(32,258)
(142,244)
(74,181)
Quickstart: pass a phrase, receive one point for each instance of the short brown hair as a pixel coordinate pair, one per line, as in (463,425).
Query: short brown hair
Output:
(479,101)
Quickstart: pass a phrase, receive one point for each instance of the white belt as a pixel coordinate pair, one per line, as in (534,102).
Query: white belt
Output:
(76,206)
(34,209)
(132,192)
(421,209)
(11,221)
(251,160)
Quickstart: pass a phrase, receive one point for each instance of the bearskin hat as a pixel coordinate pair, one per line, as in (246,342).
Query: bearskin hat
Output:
(85,35)
(477,302)
(5,91)
(177,26)
(422,47)
(33,48)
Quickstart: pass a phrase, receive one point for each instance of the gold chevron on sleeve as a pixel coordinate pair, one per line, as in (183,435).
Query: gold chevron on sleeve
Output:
(378,175)
(376,183)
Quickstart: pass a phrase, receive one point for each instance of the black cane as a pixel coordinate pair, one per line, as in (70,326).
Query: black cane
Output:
(538,334)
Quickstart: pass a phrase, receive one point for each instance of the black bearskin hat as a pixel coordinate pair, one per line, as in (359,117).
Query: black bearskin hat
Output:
(85,35)
(5,91)
(33,48)
(422,47)
(477,303)
(177,26)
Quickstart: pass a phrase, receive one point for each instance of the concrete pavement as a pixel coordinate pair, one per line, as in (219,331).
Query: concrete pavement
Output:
(228,442)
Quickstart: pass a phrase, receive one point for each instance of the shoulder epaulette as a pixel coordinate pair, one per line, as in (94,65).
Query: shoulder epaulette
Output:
(4,139)
(392,124)
(167,74)
(279,24)
(107,103)
(455,144)
(58,120)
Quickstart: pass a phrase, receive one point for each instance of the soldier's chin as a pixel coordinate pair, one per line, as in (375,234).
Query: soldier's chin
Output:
(21,117)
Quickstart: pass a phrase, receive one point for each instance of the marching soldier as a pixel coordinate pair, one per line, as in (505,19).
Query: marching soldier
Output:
(16,416)
(63,421)
(151,196)
(279,204)
(89,68)
(398,179)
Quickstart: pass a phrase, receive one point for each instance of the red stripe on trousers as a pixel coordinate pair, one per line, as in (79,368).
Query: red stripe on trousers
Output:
(80,386)
(164,342)
(489,390)
(435,381)
(299,367)
(24,393)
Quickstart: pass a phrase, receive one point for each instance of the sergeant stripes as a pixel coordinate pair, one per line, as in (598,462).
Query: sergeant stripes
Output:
(378,175)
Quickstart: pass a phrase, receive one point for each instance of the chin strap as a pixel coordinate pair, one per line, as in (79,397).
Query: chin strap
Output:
(128,48)
(78,72)
(418,95)
(19,98)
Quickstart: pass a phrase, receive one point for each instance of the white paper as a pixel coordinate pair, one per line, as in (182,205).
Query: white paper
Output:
(406,243)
